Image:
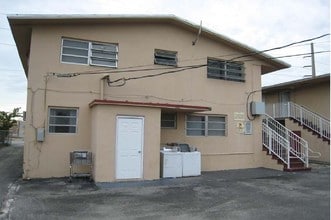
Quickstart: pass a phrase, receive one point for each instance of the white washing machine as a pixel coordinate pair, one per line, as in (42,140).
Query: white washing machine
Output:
(171,164)
(191,163)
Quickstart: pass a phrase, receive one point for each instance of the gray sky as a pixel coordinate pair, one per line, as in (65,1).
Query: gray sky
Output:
(261,24)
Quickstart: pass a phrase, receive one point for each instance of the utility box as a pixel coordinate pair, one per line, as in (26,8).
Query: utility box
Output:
(257,108)
(40,134)
(248,129)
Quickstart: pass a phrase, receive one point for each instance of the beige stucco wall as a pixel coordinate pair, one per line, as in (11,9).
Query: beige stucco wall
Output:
(103,140)
(233,151)
(315,97)
(136,48)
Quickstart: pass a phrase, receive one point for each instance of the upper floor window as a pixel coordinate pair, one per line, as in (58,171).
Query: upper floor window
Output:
(226,70)
(89,53)
(168,120)
(62,120)
(165,57)
(205,125)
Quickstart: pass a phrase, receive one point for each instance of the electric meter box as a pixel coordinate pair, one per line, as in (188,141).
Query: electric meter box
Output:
(257,108)
(40,134)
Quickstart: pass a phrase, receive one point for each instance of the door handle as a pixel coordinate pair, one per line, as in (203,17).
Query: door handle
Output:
(139,152)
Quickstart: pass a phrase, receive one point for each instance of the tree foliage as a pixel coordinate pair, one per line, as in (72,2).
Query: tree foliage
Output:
(7,119)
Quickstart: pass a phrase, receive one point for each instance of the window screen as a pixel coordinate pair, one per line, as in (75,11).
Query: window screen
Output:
(62,120)
(89,53)
(220,69)
(168,120)
(204,125)
(164,57)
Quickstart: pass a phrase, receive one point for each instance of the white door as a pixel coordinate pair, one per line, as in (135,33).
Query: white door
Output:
(284,98)
(129,147)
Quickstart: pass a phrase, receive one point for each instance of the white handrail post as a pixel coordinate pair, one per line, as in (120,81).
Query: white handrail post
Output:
(292,110)
(288,109)
(269,140)
(288,154)
(307,157)
(300,115)
(321,127)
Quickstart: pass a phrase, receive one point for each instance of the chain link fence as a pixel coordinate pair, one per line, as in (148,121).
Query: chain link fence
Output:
(6,137)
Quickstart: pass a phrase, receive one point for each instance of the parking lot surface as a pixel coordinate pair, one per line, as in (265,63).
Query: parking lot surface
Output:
(236,194)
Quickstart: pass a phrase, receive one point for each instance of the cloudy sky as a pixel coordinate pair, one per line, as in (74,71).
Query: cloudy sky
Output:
(261,24)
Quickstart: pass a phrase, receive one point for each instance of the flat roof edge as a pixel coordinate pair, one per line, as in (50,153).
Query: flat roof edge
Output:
(317,79)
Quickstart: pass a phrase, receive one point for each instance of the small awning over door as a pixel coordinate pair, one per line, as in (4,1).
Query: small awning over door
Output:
(163,106)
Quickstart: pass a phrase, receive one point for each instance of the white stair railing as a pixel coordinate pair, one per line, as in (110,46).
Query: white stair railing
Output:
(275,144)
(310,119)
(304,116)
(283,142)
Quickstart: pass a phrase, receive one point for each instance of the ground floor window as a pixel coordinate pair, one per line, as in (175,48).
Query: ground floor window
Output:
(62,120)
(205,125)
(168,120)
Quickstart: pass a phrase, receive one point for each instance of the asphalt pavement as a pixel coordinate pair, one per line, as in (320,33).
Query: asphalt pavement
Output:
(234,194)
(11,160)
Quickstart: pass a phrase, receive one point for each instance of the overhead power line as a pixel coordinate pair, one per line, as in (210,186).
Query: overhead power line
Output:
(122,81)
(123,70)
(292,55)
(280,47)
(132,68)
(8,44)
(172,69)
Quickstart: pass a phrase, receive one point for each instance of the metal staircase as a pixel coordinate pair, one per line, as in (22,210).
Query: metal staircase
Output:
(306,118)
(287,147)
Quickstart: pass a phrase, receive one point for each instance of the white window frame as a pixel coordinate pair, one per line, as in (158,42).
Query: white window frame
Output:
(206,128)
(165,54)
(72,55)
(228,72)
(90,57)
(62,125)
(174,120)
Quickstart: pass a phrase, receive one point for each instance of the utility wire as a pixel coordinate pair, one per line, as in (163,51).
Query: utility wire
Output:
(280,47)
(131,68)
(123,70)
(8,44)
(173,69)
(292,55)
(123,80)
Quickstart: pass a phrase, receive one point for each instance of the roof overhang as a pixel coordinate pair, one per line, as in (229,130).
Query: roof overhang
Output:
(21,26)
(306,82)
(163,106)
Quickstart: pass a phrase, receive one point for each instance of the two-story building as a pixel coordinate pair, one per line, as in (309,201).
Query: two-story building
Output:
(303,106)
(121,86)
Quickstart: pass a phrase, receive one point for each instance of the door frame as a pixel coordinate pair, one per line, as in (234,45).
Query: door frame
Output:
(142,144)
(284,108)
